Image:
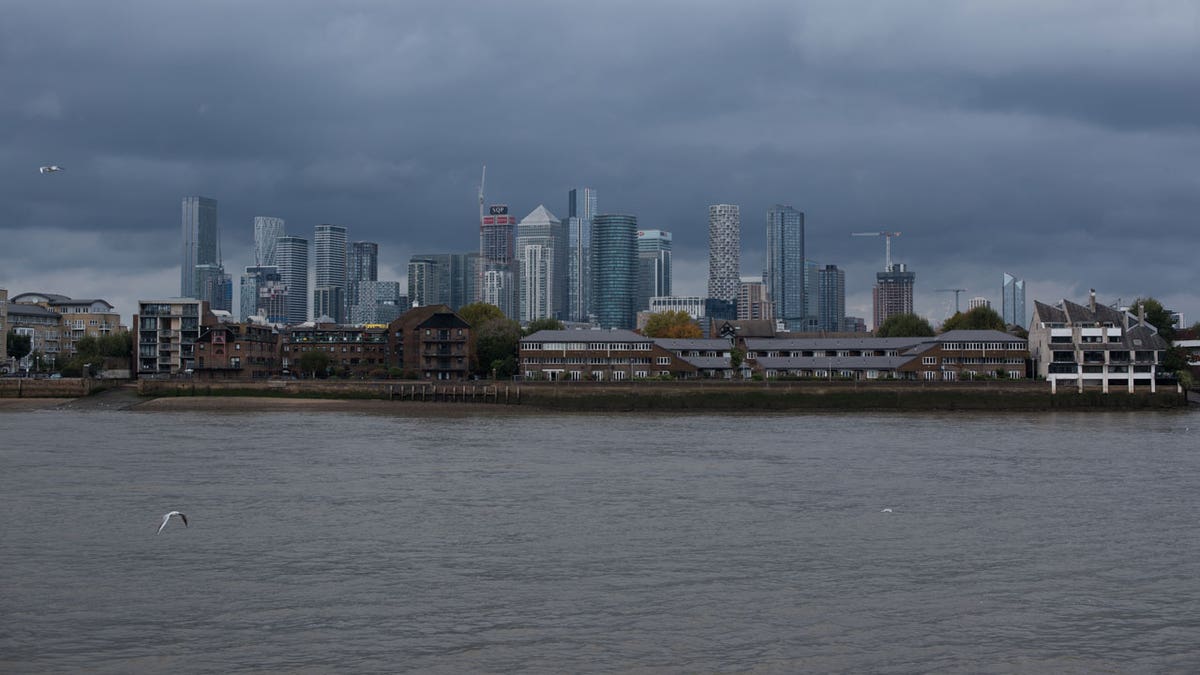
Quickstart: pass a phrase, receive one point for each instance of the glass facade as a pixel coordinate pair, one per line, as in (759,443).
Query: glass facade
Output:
(1013,301)
(614,270)
(654,266)
(831,292)
(291,257)
(199,242)
(785,273)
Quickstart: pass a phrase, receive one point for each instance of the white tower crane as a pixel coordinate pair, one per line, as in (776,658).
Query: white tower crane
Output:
(887,248)
(482,179)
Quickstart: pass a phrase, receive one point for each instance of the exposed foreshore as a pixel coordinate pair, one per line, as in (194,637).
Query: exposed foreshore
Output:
(484,397)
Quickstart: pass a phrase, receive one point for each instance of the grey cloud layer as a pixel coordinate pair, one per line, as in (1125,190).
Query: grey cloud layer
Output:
(997,137)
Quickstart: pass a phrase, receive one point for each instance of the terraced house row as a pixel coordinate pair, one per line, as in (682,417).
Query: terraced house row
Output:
(616,355)
(183,336)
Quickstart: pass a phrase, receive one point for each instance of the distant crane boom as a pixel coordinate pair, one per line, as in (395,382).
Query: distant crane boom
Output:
(482,180)
(887,267)
(955,291)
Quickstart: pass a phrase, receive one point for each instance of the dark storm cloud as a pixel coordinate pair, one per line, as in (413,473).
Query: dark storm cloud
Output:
(1051,142)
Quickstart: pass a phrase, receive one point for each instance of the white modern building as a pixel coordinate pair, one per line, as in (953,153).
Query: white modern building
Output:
(1094,345)
(692,304)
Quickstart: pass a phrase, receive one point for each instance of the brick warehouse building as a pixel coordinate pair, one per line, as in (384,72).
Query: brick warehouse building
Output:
(431,343)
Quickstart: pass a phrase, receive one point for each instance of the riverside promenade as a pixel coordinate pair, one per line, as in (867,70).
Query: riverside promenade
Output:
(690,395)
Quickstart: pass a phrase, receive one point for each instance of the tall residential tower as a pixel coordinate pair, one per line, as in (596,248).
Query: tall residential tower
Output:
(784,269)
(724,252)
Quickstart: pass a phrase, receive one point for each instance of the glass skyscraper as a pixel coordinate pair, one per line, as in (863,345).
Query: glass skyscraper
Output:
(329,257)
(831,298)
(200,242)
(542,266)
(614,270)
(1013,301)
(291,258)
(654,266)
(267,231)
(581,209)
(362,264)
(784,270)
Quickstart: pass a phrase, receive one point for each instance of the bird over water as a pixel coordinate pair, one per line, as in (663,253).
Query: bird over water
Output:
(167,519)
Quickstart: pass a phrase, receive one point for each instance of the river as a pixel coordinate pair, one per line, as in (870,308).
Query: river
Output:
(321,541)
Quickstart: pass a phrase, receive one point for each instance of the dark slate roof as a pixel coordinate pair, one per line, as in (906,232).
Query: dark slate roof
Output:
(22,309)
(678,344)
(977,336)
(1047,313)
(1084,315)
(802,344)
(836,362)
(1151,340)
(708,362)
(85,301)
(612,335)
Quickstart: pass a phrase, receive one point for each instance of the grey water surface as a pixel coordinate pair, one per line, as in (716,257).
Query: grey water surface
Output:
(334,542)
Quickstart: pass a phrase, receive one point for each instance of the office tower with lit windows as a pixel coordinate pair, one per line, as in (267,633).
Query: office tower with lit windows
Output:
(724,252)
(614,270)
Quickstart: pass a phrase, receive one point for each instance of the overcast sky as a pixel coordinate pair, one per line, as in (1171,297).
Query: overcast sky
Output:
(1057,141)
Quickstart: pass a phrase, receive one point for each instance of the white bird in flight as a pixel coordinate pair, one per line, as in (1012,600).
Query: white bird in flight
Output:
(167,518)
(49,169)
(883,511)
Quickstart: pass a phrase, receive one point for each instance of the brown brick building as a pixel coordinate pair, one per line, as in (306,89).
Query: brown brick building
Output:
(431,343)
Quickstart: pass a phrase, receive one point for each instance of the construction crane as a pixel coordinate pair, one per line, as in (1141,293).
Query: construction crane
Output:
(482,179)
(887,248)
(955,291)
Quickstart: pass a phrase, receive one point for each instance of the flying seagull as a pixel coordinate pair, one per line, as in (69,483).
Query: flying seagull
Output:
(49,169)
(883,511)
(168,517)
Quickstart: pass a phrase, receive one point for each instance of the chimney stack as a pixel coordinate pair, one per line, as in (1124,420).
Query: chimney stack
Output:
(1142,313)
(1092,301)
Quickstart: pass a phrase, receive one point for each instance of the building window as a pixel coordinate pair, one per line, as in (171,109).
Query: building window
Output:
(929,360)
(663,361)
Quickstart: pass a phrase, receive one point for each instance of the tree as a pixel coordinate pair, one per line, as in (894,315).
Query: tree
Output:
(904,325)
(543,324)
(672,323)
(1156,315)
(19,346)
(496,343)
(979,318)
(478,312)
(315,362)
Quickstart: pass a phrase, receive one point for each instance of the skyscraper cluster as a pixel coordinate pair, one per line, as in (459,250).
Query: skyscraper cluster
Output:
(276,287)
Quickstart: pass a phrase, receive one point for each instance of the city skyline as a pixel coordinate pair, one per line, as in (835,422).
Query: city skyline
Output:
(993,147)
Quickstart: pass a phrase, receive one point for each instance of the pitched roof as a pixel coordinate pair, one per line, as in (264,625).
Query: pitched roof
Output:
(834,362)
(977,336)
(802,344)
(611,335)
(709,344)
(541,213)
